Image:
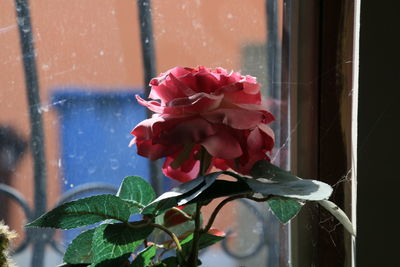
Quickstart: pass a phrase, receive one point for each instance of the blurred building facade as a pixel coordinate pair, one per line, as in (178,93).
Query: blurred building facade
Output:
(94,45)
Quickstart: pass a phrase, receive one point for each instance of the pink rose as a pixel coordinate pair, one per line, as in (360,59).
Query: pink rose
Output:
(210,108)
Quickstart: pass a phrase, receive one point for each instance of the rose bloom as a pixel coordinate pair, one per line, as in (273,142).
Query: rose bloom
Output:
(204,109)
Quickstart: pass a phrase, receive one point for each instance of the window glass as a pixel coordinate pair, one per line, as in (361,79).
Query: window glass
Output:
(89,66)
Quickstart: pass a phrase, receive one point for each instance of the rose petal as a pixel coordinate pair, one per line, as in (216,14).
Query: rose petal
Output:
(186,172)
(197,103)
(184,83)
(193,130)
(181,71)
(194,104)
(269,136)
(250,85)
(132,142)
(216,232)
(235,118)
(147,129)
(167,88)
(220,164)
(222,145)
(245,166)
(241,97)
(268,117)
(228,86)
(203,81)
(254,141)
(154,151)
(152,105)
(143,131)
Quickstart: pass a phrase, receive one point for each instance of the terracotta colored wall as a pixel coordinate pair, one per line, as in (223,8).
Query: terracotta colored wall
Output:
(95,44)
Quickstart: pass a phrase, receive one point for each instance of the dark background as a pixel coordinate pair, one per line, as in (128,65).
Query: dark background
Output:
(378,240)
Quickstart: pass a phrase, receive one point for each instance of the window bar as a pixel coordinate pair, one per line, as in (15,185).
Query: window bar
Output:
(273,91)
(273,47)
(274,63)
(149,67)
(36,124)
(286,53)
(278,57)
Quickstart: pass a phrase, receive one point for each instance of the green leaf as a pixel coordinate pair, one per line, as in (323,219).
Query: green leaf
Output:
(136,191)
(265,169)
(301,189)
(284,209)
(182,194)
(72,265)
(80,250)
(279,182)
(120,262)
(187,239)
(114,240)
(85,211)
(205,240)
(223,188)
(339,214)
(144,257)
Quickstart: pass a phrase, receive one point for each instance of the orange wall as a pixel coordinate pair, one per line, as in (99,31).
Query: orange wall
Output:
(95,44)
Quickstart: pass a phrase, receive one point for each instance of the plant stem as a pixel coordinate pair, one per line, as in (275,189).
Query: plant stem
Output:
(184,214)
(171,234)
(218,208)
(143,223)
(205,161)
(227,200)
(194,254)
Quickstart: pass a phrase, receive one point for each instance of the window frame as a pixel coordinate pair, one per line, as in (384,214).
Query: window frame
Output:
(322,59)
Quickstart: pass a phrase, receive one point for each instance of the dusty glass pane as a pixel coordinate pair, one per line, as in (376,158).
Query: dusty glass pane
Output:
(89,67)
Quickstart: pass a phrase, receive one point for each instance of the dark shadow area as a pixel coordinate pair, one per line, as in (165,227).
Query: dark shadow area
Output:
(12,148)
(378,155)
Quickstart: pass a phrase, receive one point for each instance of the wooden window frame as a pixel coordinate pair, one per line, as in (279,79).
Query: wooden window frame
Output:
(320,70)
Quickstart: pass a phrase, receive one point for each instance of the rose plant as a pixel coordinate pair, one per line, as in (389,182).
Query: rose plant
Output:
(207,124)
(219,112)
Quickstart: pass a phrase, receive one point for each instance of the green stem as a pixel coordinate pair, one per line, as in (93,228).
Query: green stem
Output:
(227,200)
(146,222)
(196,238)
(218,208)
(184,214)
(171,234)
(205,161)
